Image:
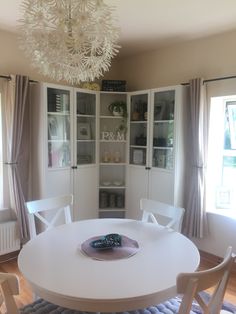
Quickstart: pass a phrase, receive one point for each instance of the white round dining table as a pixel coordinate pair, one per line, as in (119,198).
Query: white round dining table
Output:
(58,271)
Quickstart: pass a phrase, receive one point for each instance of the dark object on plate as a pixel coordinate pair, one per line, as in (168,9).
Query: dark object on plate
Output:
(108,241)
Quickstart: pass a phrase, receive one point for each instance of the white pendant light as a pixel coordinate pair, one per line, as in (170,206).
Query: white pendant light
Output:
(71,40)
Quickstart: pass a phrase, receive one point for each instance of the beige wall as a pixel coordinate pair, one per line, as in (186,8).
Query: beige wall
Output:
(210,57)
(12,59)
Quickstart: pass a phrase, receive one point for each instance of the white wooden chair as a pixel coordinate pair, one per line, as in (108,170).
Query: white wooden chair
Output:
(59,206)
(190,284)
(9,286)
(152,210)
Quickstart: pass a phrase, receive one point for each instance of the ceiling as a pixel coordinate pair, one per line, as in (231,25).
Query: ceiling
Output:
(149,24)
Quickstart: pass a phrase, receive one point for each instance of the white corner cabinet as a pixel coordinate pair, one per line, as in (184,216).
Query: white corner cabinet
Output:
(156,147)
(107,160)
(64,145)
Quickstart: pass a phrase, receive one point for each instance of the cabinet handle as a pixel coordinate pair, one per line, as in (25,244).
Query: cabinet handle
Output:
(74,167)
(148,168)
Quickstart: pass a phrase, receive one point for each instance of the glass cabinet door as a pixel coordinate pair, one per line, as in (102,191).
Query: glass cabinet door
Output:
(58,121)
(138,129)
(163,129)
(85,128)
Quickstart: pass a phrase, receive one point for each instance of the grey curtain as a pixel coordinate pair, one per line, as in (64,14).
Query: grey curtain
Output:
(195,219)
(18,130)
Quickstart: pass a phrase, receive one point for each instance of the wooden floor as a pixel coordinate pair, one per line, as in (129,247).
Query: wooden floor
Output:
(209,262)
(26,295)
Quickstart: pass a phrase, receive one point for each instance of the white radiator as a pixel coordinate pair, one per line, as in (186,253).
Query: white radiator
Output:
(9,237)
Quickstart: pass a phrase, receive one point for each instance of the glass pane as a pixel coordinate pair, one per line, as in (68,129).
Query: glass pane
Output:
(58,100)
(163,158)
(138,156)
(86,103)
(85,153)
(138,134)
(163,134)
(58,154)
(163,129)
(58,127)
(164,105)
(58,121)
(86,127)
(138,129)
(139,107)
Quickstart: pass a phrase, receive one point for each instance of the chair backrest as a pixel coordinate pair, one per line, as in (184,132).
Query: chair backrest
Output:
(60,205)
(152,209)
(190,284)
(9,287)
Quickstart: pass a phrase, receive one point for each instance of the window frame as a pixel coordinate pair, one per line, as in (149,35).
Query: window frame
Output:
(216,154)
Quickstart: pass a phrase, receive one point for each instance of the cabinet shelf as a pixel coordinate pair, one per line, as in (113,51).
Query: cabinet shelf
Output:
(163,170)
(58,141)
(138,146)
(112,187)
(138,121)
(163,121)
(61,113)
(112,209)
(86,115)
(112,93)
(111,117)
(112,164)
(87,141)
(161,147)
(58,168)
(112,141)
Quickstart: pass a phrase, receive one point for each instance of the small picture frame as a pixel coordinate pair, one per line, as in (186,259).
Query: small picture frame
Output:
(83,131)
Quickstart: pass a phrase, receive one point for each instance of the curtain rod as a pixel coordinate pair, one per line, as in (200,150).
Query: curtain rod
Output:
(204,81)
(7,77)
(215,79)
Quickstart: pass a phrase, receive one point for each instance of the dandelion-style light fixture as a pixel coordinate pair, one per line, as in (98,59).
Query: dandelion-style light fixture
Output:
(71,40)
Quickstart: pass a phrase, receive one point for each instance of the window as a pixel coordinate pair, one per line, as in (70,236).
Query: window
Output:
(221,165)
